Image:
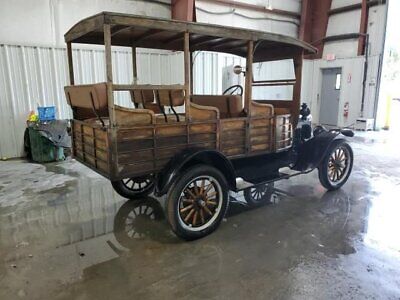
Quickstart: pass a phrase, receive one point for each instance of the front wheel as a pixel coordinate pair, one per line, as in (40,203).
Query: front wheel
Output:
(197,202)
(134,188)
(336,166)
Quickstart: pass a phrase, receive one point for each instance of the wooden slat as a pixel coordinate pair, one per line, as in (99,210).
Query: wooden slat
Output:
(202,128)
(234,151)
(134,145)
(232,125)
(171,131)
(134,134)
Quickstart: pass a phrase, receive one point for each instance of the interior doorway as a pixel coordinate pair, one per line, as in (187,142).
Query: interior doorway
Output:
(330,96)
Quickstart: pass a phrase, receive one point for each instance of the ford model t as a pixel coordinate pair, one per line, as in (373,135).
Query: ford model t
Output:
(196,148)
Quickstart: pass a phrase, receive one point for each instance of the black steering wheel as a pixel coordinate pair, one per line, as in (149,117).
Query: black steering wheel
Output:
(233,89)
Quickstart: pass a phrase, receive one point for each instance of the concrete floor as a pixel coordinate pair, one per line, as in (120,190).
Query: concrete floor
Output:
(64,235)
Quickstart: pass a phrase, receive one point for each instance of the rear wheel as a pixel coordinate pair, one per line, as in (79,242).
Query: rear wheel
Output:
(197,202)
(336,166)
(259,195)
(134,188)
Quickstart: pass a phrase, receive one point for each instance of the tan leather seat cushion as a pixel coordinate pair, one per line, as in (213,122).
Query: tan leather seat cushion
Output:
(229,106)
(142,96)
(84,96)
(171,97)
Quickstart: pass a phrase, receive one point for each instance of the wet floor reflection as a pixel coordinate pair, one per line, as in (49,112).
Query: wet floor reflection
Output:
(383,219)
(73,229)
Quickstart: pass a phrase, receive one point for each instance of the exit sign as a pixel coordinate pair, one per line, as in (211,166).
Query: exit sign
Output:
(330,57)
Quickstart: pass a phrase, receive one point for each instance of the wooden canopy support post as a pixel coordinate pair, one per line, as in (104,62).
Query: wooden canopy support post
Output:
(249,76)
(298,69)
(70,64)
(112,136)
(134,65)
(187,62)
(109,75)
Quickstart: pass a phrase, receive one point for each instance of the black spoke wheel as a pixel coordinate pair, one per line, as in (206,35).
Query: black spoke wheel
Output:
(336,166)
(259,195)
(197,202)
(134,188)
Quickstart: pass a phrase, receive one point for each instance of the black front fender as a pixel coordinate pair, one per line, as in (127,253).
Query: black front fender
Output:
(311,153)
(190,157)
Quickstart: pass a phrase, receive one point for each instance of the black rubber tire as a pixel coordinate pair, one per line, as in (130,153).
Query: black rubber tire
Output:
(173,197)
(123,191)
(265,198)
(323,167)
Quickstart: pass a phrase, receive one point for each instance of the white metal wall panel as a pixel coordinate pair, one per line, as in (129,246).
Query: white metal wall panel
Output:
(244,18)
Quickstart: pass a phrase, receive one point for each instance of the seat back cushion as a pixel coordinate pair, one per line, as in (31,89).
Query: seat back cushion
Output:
(142,96)
(171,97)
(83,98)
(229,106)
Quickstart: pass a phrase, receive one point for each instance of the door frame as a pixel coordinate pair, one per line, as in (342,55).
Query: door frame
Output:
(321,73)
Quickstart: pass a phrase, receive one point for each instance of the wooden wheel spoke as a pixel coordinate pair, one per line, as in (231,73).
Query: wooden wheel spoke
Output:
(213,203)
(207,210)
(195,218)
(191,193)
(196,188)
(208,188)
(189,215)
(213,194)
(203,184)
(202,216)
(188,200)
(186,208)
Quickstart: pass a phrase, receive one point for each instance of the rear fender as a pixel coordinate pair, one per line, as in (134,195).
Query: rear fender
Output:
(188,158)
(311,153)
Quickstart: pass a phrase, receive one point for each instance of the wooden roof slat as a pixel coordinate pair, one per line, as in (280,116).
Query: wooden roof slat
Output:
(174,38)
(207,40)
(118,29)
(148,33)
(90,30)
(233,44)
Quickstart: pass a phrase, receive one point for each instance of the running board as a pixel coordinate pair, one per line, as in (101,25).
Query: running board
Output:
(284,173)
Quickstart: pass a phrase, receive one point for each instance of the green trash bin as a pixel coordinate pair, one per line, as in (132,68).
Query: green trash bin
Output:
(42,149)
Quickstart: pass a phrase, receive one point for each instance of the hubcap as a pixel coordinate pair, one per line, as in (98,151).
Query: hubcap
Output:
(338,165)
(200,203)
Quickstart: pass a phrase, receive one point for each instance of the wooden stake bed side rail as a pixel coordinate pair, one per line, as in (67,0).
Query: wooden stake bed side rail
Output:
(90,146)
(147,149)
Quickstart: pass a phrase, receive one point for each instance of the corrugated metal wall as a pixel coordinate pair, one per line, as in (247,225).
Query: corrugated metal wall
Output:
(32,76)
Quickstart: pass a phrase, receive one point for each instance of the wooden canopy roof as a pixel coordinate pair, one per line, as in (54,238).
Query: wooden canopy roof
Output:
(159,33)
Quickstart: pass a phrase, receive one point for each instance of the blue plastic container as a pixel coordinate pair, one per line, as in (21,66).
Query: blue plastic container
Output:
(47,113)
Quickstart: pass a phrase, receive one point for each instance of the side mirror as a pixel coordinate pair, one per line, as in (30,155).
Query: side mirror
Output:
(238,70)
